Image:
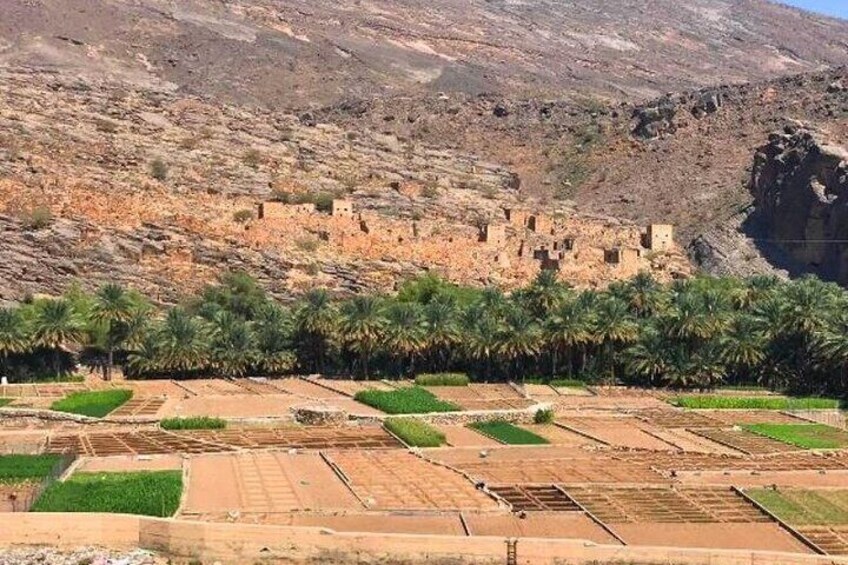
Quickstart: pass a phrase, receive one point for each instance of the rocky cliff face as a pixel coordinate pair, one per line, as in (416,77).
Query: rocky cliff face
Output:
(800,186)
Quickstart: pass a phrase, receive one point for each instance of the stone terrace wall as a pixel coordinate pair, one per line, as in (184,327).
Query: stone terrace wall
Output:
(240,543)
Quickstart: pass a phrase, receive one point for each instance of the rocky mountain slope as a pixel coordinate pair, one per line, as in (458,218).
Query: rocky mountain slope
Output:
(289,53)
(137,137)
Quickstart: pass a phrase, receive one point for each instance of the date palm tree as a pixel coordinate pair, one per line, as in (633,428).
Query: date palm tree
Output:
(13,336)
(518,339)
(182,342)
(362,327)
(443,332)
(233,346)
(112,310)
(405,333)
(316,323)
(273,332)
(56,325)
(569,327)
(613,327)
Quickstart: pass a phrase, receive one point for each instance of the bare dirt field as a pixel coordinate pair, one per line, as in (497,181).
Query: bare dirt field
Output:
(622,431)
(130,464)
(463,436)
(539,525)
(397,480)
(264,482)
(767,536)
(233,406)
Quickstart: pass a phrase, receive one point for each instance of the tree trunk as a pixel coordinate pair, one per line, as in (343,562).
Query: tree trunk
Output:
(110,362)
(57,363)
(553,362)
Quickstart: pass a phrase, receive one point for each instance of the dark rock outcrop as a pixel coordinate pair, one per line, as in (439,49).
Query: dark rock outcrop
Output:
(800,187)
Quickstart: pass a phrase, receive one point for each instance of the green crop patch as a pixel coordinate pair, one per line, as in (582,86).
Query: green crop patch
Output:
(508,433)
(154,493)
(415,432)
(22,468)
(806,436)
(442,379)
(567,383)
(800,507)
(194,423)
(409,400)
(718,402)
(96,404)
(5,402)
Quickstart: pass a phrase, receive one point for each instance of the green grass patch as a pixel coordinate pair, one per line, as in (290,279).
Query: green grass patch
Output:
(20,468)
(806,436)
(194,423)
(154,493)
(508,433)
(96,404)
(408,400)
(442,379)
(568,383)
(5,401)
(800,507)
(415,432)
(718,402)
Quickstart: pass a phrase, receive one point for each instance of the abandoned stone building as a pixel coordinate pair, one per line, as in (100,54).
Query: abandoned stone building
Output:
(342,209)
(659,237)
(279,210)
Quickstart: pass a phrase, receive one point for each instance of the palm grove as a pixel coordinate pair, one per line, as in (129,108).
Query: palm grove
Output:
(691,333)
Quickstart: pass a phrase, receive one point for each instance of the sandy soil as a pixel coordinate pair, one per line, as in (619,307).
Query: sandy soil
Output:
(349,405)
(462,436)
(398,480)
(264,482)
(739,417)
(460,455)
(305,389)
(768,536)
(619,432)
(232,406)
(541,392)
(820,479)
(154,388)
(559,436)
(574,402)
(211,387)
(687,441)
(350,388)
(539,525)
(123,463)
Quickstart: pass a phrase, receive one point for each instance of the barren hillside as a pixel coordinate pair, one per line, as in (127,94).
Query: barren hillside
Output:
(289,53)
(138,137)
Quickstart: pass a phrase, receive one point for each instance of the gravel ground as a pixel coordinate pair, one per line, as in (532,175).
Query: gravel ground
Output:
(81,556)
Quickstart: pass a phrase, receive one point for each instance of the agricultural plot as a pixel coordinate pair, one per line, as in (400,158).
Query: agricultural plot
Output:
(573,525)
(631,505)
(139,407)
(463,436)
(745,441)
(507,433)
(669,418)
(804,436)
(150,493)
(833,540)
(616,431)
(566,470)
(353,437)
(350,388)
(803,507)
(398,480)
(535,498)
(744,417)
(482,397)
(146,442)
(264,483)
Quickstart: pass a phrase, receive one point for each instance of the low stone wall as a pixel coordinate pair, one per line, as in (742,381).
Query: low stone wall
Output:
(241,543)
(37,418)
(523,416)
